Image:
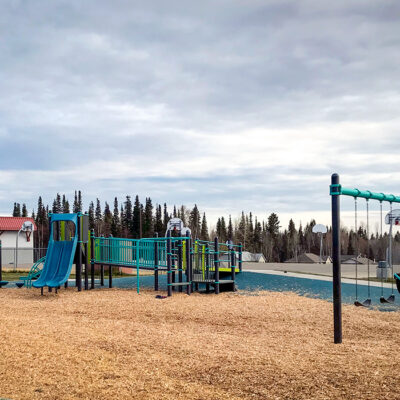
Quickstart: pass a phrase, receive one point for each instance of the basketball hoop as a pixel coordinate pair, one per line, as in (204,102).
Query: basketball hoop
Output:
(27,227)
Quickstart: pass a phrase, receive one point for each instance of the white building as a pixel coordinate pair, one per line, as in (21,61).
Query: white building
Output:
(9,228)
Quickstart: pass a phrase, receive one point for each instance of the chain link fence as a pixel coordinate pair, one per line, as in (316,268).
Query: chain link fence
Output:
(23,258)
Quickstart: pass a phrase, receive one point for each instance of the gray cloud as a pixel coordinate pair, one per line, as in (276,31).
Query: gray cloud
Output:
(158,98)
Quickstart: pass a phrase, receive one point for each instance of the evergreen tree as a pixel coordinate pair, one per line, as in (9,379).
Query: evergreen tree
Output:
(24,210)
(107,220)
(241,231)
(115,224)
(79,201)
(257,237)
(175,213)
(57,208)
(75,206)
(165,217)
(148,228)
(17,210)
(273,225)
(224,234)
(65,205)
(194,221)
(137,219)
(230,229)
(91,216)
(158,223)
(98,216)
(204,228)
(127,218)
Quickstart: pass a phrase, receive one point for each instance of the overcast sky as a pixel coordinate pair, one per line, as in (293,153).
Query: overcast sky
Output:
(233,105)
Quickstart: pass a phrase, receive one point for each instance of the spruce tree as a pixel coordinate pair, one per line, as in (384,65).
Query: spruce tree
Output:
(24,211)
(98,216)
(158,223)
(204,228)
(75,206)
(115,224)
(57,208)
(136,219)
(148,228)
(194,221)
(91,216)
(107,220)
(128,216)
(230,229)
(165,217)
(17,210)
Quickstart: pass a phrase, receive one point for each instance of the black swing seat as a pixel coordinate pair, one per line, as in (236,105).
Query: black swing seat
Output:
(390,299)
(365,303)
(397,279)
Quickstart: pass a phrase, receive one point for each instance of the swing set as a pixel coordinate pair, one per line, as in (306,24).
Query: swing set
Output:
(336,190)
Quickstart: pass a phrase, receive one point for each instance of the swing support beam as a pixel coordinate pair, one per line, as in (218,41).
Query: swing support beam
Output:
(336,190)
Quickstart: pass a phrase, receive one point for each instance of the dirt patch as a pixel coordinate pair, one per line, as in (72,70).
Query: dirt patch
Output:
(117,344)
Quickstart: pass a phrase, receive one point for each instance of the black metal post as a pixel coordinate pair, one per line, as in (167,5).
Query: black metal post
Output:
(173,264)
(180,266)
(216,264)
(156,263)
(240,256)
(92,258)
(85,246)
(337,290)
(233,266)
(169,280)
(207,277)
(78,265)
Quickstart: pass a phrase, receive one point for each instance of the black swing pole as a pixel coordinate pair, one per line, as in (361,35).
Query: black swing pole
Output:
(391,298)
(337,289)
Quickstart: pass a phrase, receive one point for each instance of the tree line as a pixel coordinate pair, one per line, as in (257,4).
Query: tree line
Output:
(134,219)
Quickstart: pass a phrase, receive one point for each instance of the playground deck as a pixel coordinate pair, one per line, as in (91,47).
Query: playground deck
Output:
(119,345)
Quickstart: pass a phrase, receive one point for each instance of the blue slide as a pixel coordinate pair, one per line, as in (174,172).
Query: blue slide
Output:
(60,255)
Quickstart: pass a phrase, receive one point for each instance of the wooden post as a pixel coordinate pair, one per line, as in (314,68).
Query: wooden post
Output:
(216,264)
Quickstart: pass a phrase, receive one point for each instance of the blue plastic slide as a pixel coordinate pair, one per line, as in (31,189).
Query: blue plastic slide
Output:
(60,255)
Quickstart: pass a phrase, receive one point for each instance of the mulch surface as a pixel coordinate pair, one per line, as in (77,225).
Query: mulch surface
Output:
(115,344)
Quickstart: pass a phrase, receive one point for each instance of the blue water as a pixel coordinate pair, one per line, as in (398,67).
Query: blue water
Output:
(250,282)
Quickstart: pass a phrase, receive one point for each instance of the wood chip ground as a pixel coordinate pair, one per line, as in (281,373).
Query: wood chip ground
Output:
(115,344)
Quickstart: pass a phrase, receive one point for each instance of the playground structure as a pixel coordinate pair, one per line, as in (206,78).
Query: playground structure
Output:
(189,264)
(336,190)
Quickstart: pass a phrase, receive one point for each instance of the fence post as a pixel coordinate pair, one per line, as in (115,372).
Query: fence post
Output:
(156,263)
(216,264)
(240,256)
(92,258)
(169,272)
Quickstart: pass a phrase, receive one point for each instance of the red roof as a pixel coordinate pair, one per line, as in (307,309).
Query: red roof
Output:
(14,223)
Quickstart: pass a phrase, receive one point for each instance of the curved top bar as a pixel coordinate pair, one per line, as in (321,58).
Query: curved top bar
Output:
(366,194)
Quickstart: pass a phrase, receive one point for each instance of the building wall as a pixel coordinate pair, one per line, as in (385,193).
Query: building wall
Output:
(8,244)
